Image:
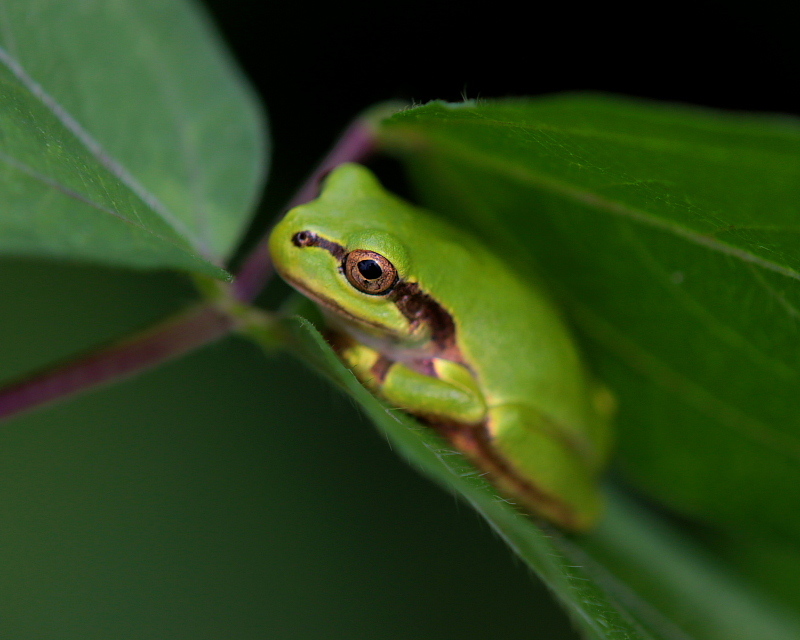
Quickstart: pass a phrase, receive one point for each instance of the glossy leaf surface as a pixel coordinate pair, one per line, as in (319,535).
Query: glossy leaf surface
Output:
(668,234)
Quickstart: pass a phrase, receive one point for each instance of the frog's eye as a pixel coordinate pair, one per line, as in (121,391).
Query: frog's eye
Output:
(369,272)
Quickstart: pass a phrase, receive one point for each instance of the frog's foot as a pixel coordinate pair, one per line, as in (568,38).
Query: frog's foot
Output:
(530,459)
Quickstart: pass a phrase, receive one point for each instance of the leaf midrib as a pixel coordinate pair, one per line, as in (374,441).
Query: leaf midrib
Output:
(188,151)
(695,148)
(593,199)
(96,151)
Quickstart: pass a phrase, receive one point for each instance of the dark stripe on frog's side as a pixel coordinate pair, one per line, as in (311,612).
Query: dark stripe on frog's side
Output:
(420,308)
(475,443)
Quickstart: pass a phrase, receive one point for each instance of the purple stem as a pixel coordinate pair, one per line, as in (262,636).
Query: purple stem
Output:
(356,143)
(185,332)
(169,339)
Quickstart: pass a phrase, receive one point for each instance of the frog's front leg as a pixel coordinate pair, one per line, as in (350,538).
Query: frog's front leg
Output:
(432,388)
(529,456)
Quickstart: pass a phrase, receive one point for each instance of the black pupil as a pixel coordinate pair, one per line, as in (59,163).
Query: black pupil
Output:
(370,269)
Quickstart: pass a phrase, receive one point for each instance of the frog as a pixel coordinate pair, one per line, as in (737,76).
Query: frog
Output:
(435,323)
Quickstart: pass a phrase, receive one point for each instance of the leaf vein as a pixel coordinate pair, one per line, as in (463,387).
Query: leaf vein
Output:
(96,149)
(728,334)
(639,359)
(590,198)
(71,193)
(662,144)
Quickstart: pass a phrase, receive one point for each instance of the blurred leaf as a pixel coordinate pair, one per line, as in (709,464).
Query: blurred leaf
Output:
(770,563)
(632,579)
(198,501)
(669,234)
(127,136)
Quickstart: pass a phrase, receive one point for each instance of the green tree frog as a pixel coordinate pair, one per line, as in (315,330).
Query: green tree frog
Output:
(432,321)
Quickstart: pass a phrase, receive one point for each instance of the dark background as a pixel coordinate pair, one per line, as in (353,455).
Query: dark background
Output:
(317,65)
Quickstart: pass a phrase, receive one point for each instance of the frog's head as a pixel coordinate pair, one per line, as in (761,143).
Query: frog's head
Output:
(338,250)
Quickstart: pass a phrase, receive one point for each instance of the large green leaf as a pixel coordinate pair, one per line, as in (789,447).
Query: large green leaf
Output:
(632,579)
(670,235)
(127,136)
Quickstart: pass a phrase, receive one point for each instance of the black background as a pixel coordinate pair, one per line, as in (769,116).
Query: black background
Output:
(318,65)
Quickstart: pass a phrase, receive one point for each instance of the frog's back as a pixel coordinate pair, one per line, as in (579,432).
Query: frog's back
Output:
(527,341)
(508,330)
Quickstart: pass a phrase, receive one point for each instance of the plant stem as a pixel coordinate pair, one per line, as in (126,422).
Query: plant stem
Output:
(226,309)
(356,144)
(194,327)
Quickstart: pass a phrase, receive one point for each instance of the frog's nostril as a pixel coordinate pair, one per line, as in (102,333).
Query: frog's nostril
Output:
(303,239)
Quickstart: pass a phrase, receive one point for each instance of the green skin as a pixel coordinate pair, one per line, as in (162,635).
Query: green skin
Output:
(457,338)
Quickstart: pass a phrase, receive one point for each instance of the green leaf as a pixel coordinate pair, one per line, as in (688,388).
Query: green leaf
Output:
(631,579)
(669,234)
(127,136)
